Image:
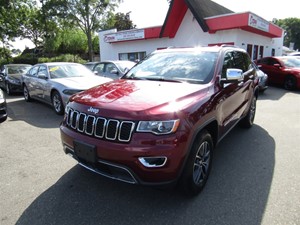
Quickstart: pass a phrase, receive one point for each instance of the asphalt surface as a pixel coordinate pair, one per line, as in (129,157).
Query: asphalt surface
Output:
(255,177)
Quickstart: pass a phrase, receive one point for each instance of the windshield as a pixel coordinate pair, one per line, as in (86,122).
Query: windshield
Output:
(69,70)
(189,66)
(90,65)
(18,69)
(291,62)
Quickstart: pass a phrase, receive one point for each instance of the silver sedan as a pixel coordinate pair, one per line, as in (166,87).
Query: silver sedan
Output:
(54,83)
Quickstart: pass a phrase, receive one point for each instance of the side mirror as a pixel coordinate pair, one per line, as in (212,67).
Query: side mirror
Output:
(42,76)
(96,72)
(114,71)
(277,65)
(232,76)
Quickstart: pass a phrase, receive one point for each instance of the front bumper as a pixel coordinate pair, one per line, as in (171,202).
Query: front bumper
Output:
(15,87)
(3,112)
(126,161)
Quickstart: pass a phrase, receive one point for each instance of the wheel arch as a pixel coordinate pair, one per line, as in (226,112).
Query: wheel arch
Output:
(212,128)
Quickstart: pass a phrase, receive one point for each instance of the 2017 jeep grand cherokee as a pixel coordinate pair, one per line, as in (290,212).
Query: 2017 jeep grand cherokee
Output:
(160,122)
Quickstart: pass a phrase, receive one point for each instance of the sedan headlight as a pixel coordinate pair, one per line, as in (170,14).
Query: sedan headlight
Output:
(13,80)
(70,91)
(158,127)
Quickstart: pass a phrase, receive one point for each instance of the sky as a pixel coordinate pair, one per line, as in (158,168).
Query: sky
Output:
(149,13)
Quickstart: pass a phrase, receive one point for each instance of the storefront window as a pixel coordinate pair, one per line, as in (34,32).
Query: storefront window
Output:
(132,56)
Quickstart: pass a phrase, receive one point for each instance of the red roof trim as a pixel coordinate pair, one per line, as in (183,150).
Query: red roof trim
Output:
(240,21)
(152,32)
(174,18)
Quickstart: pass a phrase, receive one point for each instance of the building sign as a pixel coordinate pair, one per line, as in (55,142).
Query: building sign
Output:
(124,36)
(258,23)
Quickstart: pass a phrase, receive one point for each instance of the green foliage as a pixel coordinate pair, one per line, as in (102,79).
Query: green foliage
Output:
(96,44)
(28,58)
(121,21)
(63,58)
(292,31)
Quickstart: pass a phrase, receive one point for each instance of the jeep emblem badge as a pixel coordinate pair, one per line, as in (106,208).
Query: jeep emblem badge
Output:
(93,110)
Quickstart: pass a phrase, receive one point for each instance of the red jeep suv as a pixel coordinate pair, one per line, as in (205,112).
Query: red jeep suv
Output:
(160,122)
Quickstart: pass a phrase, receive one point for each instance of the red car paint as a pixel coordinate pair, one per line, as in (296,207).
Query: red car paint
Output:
(215,105)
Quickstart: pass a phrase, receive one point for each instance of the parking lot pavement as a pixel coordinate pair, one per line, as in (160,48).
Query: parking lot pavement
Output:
(255,177)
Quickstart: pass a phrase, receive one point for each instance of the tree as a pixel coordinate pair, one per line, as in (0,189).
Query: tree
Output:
(292,31)
(88,15)
(12,17)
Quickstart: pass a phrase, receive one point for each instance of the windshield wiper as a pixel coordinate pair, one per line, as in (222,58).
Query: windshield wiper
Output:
(155,78)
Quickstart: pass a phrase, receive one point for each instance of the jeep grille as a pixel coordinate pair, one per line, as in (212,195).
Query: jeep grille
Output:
(100,127)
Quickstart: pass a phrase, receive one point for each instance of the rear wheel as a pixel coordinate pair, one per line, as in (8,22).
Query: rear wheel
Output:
(198,165)
(248,121)
(290,83)
(26,94)
(57,103)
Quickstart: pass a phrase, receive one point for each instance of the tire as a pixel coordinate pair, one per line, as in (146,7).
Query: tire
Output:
(198,165)
(248,120)
(8,91)
(26,94)
(290,83)
(57,103)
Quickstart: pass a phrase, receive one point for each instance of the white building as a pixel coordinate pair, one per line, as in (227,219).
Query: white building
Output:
(195,23)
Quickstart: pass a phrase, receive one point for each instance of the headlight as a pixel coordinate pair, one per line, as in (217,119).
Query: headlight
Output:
(13,80)
(1,97)
(158,127)
(70,91)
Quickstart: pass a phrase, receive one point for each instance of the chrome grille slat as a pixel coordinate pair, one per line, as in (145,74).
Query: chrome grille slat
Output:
(100,127)
(112,129)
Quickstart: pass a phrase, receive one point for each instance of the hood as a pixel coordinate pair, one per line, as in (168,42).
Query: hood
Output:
(81,83)
(141,95)
(15,76)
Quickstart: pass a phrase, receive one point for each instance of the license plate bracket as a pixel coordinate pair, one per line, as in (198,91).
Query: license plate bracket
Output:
(85,151)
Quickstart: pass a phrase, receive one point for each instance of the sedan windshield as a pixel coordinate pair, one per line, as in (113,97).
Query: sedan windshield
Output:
(15,69)
(125,65)
(189,66)
(69,70)
(291,62)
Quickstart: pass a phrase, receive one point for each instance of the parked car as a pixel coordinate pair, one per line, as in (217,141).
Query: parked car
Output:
(3,109)
(111,69)
(10,77)
(263,79)
(159,123)
(282,70)
(54,83)
(297,54)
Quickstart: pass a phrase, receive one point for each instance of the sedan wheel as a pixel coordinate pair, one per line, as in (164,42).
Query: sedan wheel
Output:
(198,166)
(290,83)
(26,94)
(8,91)
(57,103)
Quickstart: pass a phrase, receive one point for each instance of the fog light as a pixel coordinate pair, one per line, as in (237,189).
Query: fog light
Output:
(153,161)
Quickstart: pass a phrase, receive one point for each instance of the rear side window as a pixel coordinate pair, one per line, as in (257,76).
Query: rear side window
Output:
(236,60)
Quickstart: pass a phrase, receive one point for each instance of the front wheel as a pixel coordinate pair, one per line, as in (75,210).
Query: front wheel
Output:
(198,165)
(8,90)
(57,103)
(290,83)
(26,94)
